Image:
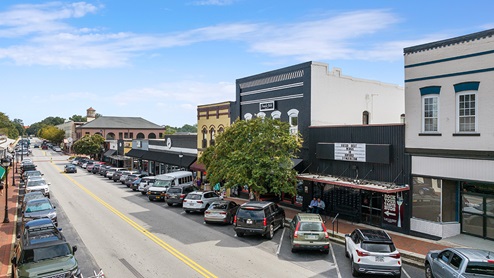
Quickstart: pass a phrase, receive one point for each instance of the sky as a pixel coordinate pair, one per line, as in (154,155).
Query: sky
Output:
(160,59)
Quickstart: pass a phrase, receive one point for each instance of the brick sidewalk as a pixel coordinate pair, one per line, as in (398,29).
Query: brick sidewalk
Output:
(7,230)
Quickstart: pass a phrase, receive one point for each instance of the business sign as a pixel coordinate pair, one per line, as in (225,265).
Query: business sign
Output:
(349,152)
(266,106)
(392,214)
(2,172)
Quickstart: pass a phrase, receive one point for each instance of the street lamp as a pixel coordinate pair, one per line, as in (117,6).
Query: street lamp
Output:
(6,164)
(17,160)
(180,156)
(13,166)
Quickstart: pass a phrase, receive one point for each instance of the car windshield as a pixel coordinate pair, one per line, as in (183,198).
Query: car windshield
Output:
(172,190)
(33,173)
(32,183)
(194,196)
(251,213)
(218,206)
(378,247)
(38,206)
(480,268)
(45,253)
(310,227)
(163,183)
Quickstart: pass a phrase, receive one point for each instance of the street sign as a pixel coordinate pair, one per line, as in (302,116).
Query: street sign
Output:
(2,172)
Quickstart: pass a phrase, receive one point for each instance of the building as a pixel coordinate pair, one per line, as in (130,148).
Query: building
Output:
(308,94)
(449,135)
(212,119)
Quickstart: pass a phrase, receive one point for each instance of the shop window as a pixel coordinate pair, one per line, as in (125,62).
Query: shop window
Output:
(426,199)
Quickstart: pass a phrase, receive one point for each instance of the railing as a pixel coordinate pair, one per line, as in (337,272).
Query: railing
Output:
(337,222)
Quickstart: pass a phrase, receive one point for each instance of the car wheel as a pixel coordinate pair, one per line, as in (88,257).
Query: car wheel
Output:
(346,252)
(150,199)
(325,251)
(169,204)
(240,234)
(187,211)
(355,273)
(428,271)
(294,250)
(270,233)
(143,193)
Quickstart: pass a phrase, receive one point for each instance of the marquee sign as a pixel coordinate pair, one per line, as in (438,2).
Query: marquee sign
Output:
(349,152)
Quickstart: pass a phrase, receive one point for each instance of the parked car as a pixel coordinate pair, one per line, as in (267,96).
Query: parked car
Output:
(57,149)
(459,262)
(103,169)
(116,176)
(96,167)
(130,179)
(125,174)
(260,218)
(308,232)
(34,173)
(70,168)
(145,183)
(38,184)
(175,195)
(372,252)
(221,212)
(199,200)
(39,208)
(135,184)
(31,196)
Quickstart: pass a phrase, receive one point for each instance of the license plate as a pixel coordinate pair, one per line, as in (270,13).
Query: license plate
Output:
(311,237)
(249,221)
(379,259)
(158,197)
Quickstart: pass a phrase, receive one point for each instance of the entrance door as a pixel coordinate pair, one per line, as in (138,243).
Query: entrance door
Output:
(371,208)
(478,215)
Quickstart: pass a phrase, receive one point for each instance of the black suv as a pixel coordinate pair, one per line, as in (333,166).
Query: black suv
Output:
(43,251)
(175,195)
(258,217)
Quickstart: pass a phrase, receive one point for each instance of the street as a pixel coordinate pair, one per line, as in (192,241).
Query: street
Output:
(126,235)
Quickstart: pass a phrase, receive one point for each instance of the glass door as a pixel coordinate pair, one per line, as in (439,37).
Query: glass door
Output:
(371,208)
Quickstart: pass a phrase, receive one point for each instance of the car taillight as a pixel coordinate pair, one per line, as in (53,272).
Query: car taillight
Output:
(326,235)
(185,201)
(361,253)
(199,202)
(264,222)
(295,234)
(490,261)
(222,212)
(207,212)
(182,196)
(396,256)
(235,220)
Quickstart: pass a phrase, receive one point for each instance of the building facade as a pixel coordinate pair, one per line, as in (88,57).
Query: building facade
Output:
(449,135)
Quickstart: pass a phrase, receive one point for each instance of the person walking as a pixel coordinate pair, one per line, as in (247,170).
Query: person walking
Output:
(320,206)
(313,206)
(217,187)
(1,188)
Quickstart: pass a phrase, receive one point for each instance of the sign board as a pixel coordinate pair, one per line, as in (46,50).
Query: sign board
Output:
(390,213)
(266,106)
(349,152)
(2,172)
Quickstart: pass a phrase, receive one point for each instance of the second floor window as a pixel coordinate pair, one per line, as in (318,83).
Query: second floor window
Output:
(466,111)
(430,104)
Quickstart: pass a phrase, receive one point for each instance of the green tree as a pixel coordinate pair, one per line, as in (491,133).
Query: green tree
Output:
(256,153)
(188,128)
(78,118)
(52,134)
(170,130)
(19,125)
(53,121)
(89,144)
(8,127)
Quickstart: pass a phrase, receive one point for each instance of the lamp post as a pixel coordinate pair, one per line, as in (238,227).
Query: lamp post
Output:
(6,164)
(180,156)
(12,167)
(17,160)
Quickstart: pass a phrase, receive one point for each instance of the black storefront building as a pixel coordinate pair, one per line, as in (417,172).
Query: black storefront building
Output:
(361,173)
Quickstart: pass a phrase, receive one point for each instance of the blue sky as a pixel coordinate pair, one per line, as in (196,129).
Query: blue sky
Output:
(159,59)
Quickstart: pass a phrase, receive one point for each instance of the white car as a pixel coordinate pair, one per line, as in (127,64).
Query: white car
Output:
(146,182)
(200,200)
(38,184)
(372,252)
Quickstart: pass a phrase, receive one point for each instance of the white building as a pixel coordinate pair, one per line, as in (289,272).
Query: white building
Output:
(449,99)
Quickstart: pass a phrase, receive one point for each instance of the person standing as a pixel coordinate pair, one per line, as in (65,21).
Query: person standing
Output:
(320,206)
(313,206)
(1,188)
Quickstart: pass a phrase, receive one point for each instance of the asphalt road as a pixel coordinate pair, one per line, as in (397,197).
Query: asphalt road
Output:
(126,235)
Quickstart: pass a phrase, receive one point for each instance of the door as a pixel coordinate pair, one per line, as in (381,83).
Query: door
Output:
(371,208)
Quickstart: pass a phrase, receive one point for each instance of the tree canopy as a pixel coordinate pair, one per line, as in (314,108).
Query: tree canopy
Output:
(8,127)
(89,144)
(78,118)
(52,134)
(256,153)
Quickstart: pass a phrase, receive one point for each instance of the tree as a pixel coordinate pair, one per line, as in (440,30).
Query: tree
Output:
(7,127)
(188,128)
(89,144)
(256,153)
(52,134)
(78,118)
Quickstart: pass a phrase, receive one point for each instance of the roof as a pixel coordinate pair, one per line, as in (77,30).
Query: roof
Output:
(447,42)
(375,235)
(259,204)
(121,122)
(475,254)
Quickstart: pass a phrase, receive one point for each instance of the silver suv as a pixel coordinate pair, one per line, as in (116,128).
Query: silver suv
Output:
(459,262)
(200,200)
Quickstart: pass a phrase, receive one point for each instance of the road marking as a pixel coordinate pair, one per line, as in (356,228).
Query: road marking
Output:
(281,241)
(334,260)
(406,273)
(192,264)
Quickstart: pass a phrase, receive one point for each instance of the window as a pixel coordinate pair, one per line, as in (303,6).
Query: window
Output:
(248,116)
(466,111)
(212,133)
(293,121)
(276,115)
(365,117)
(430,110)
(456,261)
(261,115)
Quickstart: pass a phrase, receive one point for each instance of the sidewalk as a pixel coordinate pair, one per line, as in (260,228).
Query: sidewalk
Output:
(413,249)
(7,230)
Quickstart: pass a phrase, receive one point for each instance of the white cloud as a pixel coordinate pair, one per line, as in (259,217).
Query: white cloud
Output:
(213,2)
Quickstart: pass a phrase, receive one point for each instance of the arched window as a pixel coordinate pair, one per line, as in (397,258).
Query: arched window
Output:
(110,136)
(293,121)
(261,115)
(152,135)
(204,137)
(276,115)
(221,130)
(212,136)
(467,106)
(248,116)
(365,117)
(140,136)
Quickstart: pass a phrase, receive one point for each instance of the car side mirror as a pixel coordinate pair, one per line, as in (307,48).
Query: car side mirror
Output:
(74,248)
(347,235)
(49,183)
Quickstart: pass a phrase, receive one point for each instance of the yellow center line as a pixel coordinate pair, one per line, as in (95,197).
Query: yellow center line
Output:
(192,264)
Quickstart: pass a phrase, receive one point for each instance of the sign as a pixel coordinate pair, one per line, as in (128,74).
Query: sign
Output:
(390,213)
(2,172)
(266,106)
(349,152)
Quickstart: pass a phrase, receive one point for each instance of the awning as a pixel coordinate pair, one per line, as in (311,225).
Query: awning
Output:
(170,158)
(135,153)
(109,152)
(120,157)
(371,186)
(196,166)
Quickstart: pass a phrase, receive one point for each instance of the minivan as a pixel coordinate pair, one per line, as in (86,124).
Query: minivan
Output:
(165,181)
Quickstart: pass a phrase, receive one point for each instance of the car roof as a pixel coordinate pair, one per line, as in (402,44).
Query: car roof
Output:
(372,235)
(38,200)
(475,254)
(256,204)
(309,217)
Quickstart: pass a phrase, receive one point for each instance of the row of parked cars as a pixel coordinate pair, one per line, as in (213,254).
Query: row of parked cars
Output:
(41,249)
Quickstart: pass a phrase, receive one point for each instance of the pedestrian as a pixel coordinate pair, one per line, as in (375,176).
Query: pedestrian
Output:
(320,206)
(251,196)
(1,188)
(217,187)
(313,205)
(198,181)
